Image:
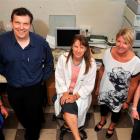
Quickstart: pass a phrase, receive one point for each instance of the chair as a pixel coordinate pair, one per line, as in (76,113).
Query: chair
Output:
(63,130)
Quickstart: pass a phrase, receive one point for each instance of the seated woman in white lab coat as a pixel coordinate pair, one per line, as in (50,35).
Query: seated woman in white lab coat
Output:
(75,77)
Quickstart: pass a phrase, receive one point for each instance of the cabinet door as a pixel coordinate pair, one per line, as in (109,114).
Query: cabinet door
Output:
(94,97)
(50,86)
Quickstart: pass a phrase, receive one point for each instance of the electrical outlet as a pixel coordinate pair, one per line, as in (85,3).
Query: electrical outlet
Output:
(85,29)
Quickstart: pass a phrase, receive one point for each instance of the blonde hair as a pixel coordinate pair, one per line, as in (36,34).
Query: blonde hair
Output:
(128,35)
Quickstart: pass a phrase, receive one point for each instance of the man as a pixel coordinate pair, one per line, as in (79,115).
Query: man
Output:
(25,60)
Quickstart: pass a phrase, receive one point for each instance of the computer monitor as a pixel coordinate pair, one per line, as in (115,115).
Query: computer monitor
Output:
(65,35)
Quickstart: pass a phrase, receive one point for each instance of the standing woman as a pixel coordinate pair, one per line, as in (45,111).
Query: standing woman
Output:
(120,68)
(75,77)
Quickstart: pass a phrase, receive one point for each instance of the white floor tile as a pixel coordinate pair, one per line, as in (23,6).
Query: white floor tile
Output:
(48,134)
(92,135)
(9,134)
(124,133)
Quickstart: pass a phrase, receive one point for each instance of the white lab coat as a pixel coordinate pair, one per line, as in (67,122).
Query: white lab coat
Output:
(84,85)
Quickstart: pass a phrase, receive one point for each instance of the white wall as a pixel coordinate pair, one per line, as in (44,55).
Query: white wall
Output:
(102,16)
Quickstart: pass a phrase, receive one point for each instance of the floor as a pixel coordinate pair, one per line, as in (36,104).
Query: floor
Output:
(50,130)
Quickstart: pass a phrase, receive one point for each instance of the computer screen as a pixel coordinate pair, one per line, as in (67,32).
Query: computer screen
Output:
(65,35)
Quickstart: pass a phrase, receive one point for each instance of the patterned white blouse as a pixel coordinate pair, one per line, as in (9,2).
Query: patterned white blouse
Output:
(115,80)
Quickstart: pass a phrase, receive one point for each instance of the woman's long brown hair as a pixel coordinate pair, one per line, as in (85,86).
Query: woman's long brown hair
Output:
(87,55)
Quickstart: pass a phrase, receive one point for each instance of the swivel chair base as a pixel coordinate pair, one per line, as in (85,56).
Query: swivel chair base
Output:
(64,130)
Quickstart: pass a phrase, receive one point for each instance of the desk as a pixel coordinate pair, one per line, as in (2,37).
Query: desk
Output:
(99,55)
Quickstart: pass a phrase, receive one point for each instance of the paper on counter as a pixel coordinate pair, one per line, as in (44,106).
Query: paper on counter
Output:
(103,46)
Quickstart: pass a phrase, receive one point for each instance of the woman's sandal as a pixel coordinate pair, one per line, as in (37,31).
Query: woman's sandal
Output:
(65,128)
(109,135)
(97,126)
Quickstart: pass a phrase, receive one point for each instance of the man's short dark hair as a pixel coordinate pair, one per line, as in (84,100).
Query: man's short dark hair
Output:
(22,12)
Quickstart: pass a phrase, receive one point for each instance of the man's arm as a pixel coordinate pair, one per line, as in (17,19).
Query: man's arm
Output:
(136,98)
(49,65)
(1,63)
(3,110)
(135,103)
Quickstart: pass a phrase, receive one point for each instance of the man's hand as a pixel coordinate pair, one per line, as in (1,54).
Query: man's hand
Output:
(135,114)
